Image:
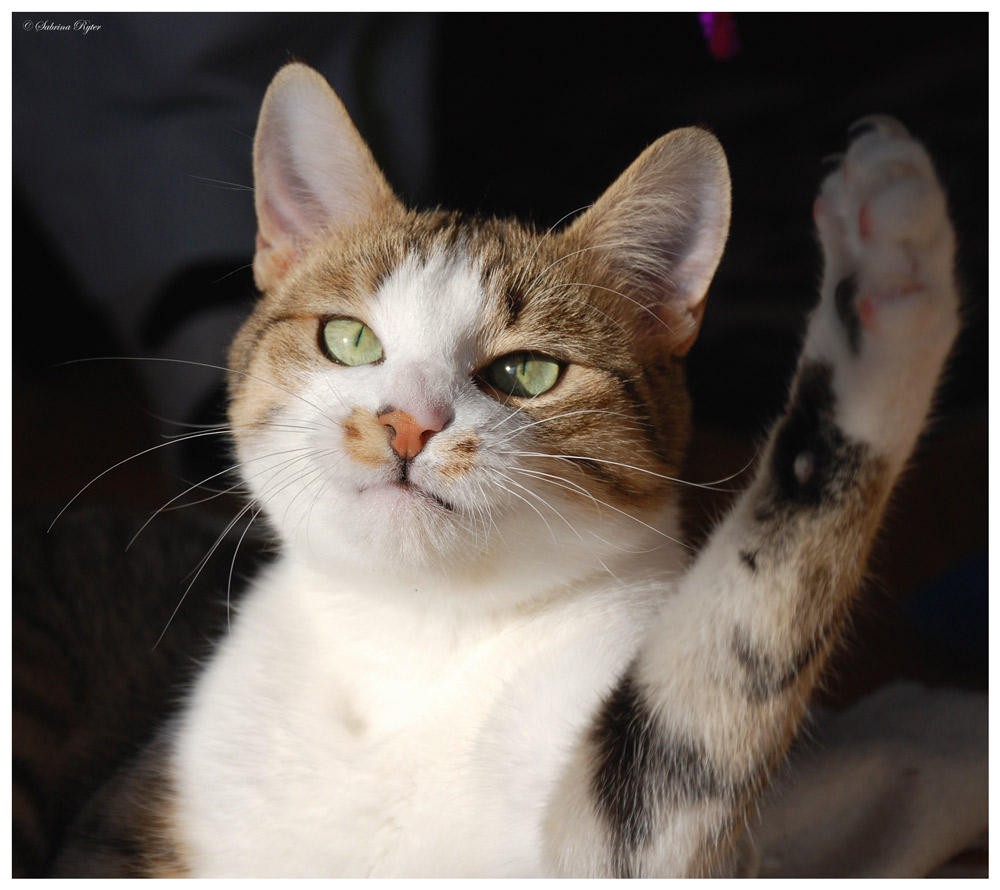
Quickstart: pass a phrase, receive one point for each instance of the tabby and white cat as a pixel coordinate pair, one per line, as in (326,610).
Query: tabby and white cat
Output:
(482,650)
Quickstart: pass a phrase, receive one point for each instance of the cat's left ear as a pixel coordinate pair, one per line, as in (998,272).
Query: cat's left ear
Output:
(313,173)
(663,224)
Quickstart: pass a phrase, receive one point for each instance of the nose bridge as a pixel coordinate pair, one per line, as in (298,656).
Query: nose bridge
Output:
(424,393)
(419,407)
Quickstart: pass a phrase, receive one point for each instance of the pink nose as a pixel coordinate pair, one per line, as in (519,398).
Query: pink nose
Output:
(407,434)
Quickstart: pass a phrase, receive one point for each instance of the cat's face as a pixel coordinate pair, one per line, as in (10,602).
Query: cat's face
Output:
(424,394)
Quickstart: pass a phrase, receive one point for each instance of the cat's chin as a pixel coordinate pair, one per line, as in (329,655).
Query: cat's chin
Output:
(401,527)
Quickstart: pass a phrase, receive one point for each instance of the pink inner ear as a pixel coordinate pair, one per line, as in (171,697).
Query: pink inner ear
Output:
(680,265)
(693,275)
(683,322)
(283,227)
(664,222)
(271,262)
(313,171)
(287,207)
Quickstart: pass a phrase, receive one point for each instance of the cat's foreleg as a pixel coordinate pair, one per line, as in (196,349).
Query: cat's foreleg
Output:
(671,765)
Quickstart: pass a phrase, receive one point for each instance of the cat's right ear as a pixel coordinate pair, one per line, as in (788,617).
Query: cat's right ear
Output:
(313,173)
(663,223)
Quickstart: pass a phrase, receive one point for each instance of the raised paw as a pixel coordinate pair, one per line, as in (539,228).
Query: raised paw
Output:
(888,243)
(888,312)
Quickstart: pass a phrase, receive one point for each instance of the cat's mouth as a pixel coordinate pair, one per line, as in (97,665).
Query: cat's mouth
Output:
(406,485)
(408,489)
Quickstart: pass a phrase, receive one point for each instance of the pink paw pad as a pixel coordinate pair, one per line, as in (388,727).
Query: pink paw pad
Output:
(870,305)
(867,311)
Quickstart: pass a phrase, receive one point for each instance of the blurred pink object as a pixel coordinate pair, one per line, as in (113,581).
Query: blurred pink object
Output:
(721,34)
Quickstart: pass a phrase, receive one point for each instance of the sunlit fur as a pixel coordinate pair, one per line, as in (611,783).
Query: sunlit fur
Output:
(555,484)
(493,659)
(396,637)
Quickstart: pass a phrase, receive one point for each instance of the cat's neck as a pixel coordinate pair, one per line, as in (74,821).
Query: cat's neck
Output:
(403,649)
(503,583)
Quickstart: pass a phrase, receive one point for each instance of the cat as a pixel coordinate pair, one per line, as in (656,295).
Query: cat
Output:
(482,649)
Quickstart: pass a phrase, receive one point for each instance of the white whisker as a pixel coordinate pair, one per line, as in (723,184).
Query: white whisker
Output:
(167,506)
(519,281)
(232,568)
(222,183)
(711,486)
(198,570)
(555,540)
(207,365)
(122,463)
(610,507)
(562,416)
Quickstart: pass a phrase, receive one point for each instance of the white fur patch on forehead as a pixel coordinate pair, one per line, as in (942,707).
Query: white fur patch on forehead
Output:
(430,306)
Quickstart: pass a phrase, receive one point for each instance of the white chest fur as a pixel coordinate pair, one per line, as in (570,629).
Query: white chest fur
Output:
(335,736)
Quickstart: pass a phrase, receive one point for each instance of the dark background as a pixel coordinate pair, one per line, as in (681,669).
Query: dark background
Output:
(535,115)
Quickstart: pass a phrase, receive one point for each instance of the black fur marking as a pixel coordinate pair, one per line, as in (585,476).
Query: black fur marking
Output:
(830,164)
(630,386)
(606,474)
(765,677)
(810,432)
(749,560)
(112,846)
(637,399)
(513,304)
(620,738)
(765,513)
(859,128)
(640,768)
(511,298)
(662,440)
(449,232)
(843,299)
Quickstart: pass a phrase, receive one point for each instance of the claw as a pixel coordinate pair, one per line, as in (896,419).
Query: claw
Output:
(880,123)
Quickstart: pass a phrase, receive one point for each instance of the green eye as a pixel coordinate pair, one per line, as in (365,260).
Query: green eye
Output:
(348,341)
(523,374)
